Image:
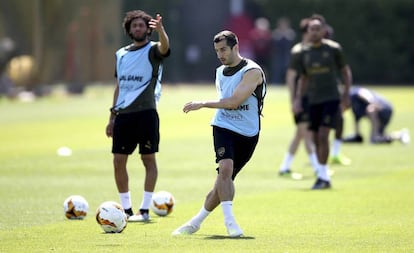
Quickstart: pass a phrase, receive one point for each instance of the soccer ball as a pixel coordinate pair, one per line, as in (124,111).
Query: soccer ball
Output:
(111,217)
(162,203)
(75,207)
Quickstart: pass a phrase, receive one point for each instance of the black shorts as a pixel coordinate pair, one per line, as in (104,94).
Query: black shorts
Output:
(359,107)
(303,116)
(323,114)
(230,145)
(384,116)
(131,129)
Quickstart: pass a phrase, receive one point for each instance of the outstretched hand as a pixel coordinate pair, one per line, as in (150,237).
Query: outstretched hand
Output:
(192,106)
(156,23)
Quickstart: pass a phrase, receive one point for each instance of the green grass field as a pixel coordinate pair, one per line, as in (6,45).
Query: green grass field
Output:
(369,209)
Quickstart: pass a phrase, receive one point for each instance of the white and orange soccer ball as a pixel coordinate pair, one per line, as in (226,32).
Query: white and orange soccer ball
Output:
(111,217)
(162,203)
(75,207)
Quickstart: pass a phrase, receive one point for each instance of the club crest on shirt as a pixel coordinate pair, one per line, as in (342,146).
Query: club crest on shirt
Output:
(221,151)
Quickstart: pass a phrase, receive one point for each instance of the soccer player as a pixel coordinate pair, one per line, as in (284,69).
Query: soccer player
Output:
(318,64)
(138,72)
(241,87)
(336,157)
(367,103)
(301,118)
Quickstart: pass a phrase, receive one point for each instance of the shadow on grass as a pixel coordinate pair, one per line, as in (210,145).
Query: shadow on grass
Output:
(222,237)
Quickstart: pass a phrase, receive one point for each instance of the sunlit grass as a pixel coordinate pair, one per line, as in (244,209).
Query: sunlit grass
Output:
(369,209)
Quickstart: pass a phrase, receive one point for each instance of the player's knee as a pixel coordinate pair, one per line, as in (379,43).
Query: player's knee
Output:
(323,136)
(119,161)
(149,161)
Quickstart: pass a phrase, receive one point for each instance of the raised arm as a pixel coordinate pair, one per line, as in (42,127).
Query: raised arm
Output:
(164,43)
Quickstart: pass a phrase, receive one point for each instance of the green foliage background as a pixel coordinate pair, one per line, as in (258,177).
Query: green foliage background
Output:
(375,34)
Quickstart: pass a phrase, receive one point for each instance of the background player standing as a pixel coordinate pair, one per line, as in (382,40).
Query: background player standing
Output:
(319,64)
(138,73)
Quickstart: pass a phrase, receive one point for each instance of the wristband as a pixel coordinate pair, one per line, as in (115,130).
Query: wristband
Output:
(113,111)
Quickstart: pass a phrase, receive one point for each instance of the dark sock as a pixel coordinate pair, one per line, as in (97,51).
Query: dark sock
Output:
(129,211)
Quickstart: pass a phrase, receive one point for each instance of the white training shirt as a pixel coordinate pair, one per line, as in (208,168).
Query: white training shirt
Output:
(133,80)
(245,119)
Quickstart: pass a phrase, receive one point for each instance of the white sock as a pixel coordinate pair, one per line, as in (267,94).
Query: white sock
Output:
(287,162)
(227,207)
(323,172)
(336,147)
(125,198)
(146,200)
(314,161)
(200,217)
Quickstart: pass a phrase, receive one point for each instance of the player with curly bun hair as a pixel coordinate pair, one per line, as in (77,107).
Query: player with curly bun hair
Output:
(138,73)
